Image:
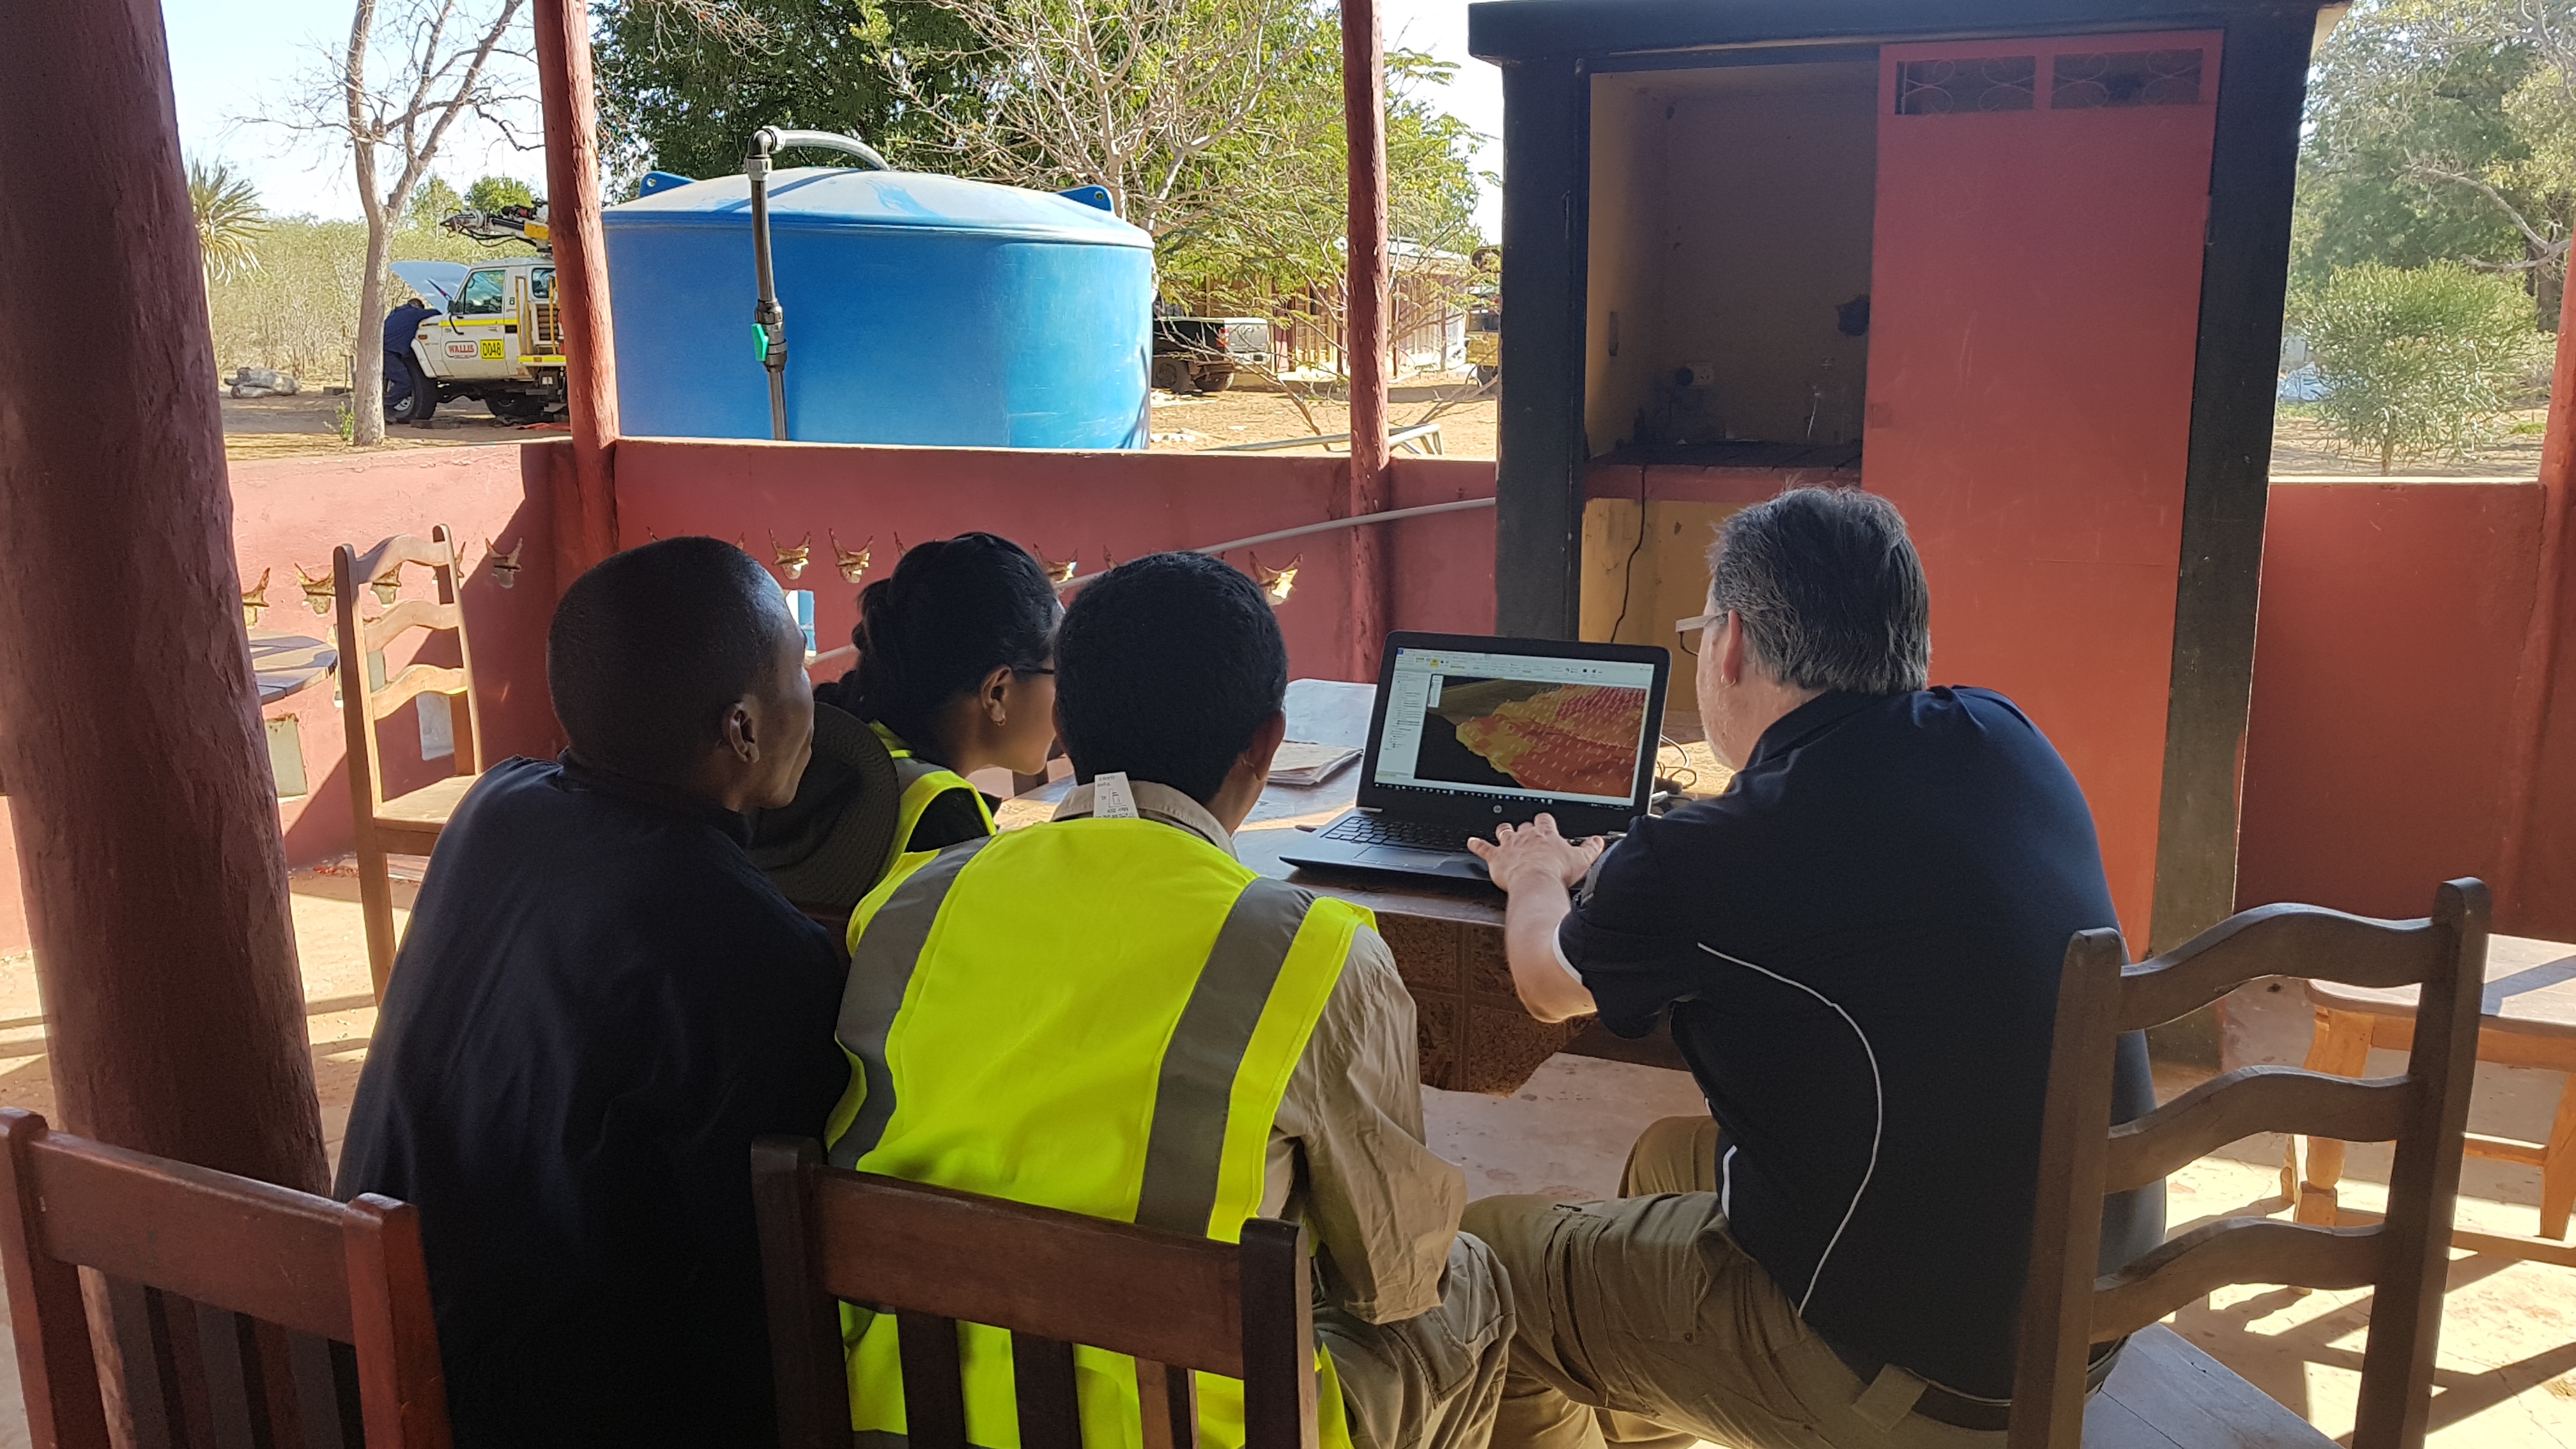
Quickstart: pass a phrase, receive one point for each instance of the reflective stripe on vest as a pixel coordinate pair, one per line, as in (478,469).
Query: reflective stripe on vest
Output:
(920,782)
(1022,1029)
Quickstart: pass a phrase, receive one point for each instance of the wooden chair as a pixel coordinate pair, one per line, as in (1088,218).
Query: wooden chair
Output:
(2528,1019)
(936,1258)
(407,824)
(2066,1307)
(237,1306)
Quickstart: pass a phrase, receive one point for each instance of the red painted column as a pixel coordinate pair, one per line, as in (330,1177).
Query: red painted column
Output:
(586,520)
(2533,676)
(129,723)
(1367,324)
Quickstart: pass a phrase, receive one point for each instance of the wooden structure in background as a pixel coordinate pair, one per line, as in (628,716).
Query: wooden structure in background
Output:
(408,824)
(585,499)
(2067,1308)
(2075,215)
(228,1296)
(2527,1018)
(937,1258)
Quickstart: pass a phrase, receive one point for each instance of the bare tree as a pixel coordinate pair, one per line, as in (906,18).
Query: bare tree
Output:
(1123,94)
(412,69)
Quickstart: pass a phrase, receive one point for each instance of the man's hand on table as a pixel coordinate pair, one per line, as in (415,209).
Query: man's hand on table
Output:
(1535,867)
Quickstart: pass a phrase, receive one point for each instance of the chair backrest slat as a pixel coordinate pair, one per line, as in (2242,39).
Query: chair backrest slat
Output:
(415,681)
(2246,1101)
(1042,1386)
(1177,1305)
(934,1382)
(363,701)
(2268,941)
(2233,1250)
(264,1250)
(405,616)
(1169,1400)
(222,1297)
(2066,1307)
(1159,1296)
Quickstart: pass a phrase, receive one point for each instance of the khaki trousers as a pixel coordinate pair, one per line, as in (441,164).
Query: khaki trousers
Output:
(1432,1381)
(1641,1323)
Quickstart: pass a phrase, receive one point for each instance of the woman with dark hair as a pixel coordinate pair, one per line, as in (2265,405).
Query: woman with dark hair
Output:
(955,674)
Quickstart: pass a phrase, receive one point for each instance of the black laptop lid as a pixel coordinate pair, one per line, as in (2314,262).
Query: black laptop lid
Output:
(1476,729)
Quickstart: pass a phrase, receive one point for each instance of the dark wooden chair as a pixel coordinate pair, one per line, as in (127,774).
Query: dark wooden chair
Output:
(2165,1393)
(936,1258)
(408,824)
(243,1313)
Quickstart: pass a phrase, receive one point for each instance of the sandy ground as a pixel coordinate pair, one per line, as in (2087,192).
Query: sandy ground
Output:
(1192,424)
(307,425)
(2300,445)
(2506,1374)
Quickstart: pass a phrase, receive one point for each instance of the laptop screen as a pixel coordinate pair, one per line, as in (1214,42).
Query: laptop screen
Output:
(1522,726)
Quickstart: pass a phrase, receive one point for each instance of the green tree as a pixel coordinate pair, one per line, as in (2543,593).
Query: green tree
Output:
(432,202)
(229,218)
(2441,130)
(495,192)
(2418,360)
(682,86)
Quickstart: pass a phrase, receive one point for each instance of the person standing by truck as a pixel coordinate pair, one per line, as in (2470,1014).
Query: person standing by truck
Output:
(402,372)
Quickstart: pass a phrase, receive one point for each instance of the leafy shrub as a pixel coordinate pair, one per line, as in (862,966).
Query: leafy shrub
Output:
(2418,360)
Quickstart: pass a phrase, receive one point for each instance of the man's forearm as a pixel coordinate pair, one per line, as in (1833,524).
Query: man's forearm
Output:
(1530,920)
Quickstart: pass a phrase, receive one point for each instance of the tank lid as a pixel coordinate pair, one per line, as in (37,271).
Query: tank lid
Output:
(811,198)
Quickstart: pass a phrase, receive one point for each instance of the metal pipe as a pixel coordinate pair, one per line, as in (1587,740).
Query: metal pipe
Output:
(1330,525)
(768,319)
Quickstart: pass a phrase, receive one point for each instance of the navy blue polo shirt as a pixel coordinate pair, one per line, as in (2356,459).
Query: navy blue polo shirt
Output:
(1858,947)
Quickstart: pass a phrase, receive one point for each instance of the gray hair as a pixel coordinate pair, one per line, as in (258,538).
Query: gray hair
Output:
(1829,590)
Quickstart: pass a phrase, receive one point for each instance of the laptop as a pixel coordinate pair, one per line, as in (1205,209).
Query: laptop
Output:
(1471,731)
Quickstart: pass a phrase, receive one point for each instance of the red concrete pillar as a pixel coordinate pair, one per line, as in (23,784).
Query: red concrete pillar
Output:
(1364,117)
(2543,646)
(129,723)
(586,521)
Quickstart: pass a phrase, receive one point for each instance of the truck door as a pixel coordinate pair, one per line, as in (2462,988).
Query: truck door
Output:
(479,331)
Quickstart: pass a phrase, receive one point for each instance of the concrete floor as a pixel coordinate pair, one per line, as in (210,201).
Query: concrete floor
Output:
(2507,1371)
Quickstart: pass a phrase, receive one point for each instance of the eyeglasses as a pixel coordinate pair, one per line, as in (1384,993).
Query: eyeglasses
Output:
(1691,628)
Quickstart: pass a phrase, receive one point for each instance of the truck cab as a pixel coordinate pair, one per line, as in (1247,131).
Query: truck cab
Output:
(497,337)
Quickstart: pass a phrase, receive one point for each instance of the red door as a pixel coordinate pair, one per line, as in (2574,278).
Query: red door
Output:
(2035,305)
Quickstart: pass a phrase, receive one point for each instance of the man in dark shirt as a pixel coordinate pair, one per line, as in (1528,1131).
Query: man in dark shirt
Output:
(402,371)
(600,1003)
(1857,946)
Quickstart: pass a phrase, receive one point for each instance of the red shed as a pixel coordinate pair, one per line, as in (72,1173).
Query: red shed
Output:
(2015,264)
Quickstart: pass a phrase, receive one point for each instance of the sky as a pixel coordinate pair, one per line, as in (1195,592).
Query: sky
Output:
(232,62)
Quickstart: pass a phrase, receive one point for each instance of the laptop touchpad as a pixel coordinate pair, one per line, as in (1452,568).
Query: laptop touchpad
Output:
(1401,858)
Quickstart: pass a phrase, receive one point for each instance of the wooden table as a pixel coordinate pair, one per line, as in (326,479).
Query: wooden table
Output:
(288,663)
(2527,1018)
(1447,939)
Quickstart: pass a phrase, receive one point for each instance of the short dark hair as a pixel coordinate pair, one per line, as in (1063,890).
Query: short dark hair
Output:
(1165,668)
(650,646)
(952,612)
(1829,589)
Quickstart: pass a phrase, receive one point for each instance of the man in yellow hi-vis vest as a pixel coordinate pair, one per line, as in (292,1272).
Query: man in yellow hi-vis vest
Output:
(1110,1014)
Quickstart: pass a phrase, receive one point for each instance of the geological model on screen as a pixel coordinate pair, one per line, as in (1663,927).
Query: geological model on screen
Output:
(1574,739)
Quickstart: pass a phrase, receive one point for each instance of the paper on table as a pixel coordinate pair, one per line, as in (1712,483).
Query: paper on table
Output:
(1300,763)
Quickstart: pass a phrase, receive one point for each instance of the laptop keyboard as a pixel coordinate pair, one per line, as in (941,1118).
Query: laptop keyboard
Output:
(1384,830)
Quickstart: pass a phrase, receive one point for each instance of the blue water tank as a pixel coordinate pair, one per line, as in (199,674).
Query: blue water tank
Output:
(920,309)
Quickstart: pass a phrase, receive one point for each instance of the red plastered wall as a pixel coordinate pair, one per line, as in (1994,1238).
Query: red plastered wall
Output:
(290,513)
(2393,621)
(1090,507)
(2035,307)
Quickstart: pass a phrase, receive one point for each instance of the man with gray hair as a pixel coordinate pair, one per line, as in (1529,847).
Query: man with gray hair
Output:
(1857,946)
